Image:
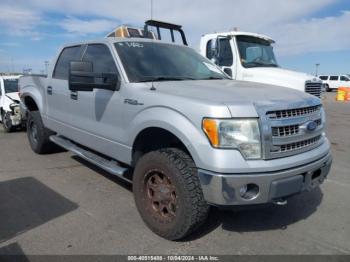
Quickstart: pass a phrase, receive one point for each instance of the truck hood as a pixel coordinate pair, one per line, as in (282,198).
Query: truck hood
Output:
(236,93)
(13,96)
(278,76)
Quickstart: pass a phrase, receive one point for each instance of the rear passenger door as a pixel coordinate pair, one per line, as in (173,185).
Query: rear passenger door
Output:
(57,91)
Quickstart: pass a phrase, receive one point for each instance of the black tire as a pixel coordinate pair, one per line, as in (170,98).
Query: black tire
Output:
(6,122)
(186,209)
(38,135)
(327,88)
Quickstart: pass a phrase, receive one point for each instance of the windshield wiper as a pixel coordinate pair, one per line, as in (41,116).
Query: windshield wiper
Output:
(166,78)
(257,64)
(213,78)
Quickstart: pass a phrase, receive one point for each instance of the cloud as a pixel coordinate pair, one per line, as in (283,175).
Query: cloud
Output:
(314,35)
(84,27)
(16,20)
(10,44)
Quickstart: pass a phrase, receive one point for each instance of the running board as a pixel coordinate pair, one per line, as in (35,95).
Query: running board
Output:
(110,166)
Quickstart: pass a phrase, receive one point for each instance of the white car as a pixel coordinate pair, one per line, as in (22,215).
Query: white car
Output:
(9,103)
(250,57)
(332,82)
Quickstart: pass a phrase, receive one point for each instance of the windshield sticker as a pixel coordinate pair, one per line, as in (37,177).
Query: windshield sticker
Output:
(134,44)
(212,68)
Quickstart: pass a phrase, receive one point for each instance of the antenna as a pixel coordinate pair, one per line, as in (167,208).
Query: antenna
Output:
(152,87)
(151,9)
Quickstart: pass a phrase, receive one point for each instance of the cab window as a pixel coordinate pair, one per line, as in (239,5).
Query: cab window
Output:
(323,77)
(101,57)
(67,55)
(225,56)
(334,78)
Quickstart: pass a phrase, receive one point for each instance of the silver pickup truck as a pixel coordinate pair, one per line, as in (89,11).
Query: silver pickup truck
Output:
(169,120)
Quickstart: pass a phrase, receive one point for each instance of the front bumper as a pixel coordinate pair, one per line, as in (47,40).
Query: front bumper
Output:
(224,189)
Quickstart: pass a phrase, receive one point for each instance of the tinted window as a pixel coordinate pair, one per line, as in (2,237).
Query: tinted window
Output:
(225,53)
(344,78)
(334,78)
(11,85)
(323,77)
(225,57)
(150,61)
(101,58)
(62,66)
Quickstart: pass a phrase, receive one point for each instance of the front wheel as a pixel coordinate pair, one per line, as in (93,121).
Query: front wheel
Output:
(328,89)
(168,193)
(6,122)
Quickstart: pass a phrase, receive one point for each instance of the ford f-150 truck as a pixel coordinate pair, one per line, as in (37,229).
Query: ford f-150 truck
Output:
(9,103)
(169,120)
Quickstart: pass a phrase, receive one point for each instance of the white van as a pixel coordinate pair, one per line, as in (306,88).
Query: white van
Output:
(332,82)
(250,57)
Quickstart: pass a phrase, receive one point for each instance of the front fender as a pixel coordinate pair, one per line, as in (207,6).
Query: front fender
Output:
(187,131)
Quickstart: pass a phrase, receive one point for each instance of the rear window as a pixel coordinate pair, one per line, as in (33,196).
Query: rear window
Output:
(323,77)
(334,78)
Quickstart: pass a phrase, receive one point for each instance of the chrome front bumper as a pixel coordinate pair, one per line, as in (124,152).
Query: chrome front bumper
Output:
(224,189)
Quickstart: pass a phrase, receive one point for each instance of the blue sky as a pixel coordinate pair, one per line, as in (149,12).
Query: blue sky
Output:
(306,31)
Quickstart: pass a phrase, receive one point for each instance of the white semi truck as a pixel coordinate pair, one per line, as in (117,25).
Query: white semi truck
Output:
(250,57)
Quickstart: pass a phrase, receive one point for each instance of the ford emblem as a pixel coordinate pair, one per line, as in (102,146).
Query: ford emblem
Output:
(311,126)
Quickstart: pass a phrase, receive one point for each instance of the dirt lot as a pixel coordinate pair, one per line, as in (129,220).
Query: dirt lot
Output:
(58,204)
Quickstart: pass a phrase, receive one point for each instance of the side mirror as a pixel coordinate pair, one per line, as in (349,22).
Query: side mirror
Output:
(82,78)
(228,71)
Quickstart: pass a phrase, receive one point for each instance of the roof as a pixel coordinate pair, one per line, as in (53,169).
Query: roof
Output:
(10,76)
(112,40)
(236,33)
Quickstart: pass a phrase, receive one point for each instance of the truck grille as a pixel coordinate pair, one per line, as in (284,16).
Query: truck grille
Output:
(300,144)
(293,112)
(289,131)
(314,88)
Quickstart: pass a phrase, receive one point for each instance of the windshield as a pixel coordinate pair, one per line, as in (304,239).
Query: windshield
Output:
(11,85)
(256,52)
(149,61)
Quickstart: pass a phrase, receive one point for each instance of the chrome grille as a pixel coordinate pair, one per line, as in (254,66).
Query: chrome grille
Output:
(289,130)
(293,112)
(289,134)
(299,145)
(314,88)
(285,130)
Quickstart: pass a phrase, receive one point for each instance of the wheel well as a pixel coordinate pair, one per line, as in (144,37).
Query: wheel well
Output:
(30,104)
(154,138)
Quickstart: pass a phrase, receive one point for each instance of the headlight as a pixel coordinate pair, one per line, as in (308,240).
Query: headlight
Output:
(242,134)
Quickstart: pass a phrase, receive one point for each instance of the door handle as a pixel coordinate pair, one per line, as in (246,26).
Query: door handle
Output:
(49,90)
(74,95)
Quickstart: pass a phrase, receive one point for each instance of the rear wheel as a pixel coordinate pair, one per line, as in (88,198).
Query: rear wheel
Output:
(38,135)
(6,122)
(168,193)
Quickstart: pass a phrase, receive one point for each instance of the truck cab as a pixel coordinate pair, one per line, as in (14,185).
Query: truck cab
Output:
(9,103)
(250,57)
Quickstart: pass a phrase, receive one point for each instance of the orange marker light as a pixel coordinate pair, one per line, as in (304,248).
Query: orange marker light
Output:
(211,130)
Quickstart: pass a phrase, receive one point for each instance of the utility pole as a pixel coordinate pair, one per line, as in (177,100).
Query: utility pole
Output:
(317,65)
(47,67)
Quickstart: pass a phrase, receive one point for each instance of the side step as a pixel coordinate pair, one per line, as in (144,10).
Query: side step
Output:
(110,166)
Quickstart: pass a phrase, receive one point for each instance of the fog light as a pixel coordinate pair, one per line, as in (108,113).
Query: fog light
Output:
(249,191)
